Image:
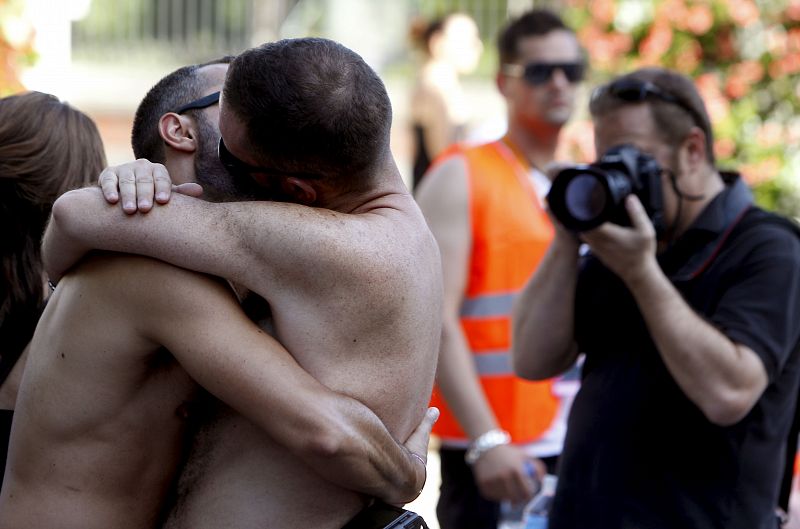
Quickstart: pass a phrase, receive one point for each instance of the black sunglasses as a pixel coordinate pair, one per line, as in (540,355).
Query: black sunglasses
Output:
(238,168)
(538,73)
(234,165)
(203,102)
(635,91)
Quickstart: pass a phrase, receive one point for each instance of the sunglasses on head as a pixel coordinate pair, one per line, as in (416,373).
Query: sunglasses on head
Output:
(538,73)
(203,102)
(634,90)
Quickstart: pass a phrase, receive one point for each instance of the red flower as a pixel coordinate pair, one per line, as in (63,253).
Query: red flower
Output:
(700,19)
(743,12)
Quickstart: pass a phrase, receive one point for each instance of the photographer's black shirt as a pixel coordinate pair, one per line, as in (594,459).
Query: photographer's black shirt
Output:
(639,454)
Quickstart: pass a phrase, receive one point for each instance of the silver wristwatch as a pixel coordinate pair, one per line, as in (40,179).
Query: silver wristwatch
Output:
(484,443)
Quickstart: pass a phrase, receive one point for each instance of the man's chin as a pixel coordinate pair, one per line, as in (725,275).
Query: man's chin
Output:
(558,115)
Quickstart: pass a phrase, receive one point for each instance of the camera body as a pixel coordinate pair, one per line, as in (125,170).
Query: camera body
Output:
(585,196)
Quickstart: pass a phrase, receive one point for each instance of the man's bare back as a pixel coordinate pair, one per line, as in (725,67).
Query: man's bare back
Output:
(370,331)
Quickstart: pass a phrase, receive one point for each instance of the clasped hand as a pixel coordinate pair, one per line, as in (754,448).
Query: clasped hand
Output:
(140,184)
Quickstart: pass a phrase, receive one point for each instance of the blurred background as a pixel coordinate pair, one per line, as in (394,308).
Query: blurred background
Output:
(103,55)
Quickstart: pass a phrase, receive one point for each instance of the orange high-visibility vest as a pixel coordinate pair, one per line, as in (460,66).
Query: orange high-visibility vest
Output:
(510,234)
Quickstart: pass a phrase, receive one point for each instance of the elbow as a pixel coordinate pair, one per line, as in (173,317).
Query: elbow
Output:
(729,407)
(67,211)
(525,365)
(326,442)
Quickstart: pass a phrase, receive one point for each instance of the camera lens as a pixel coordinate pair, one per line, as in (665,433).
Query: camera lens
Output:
(585,197)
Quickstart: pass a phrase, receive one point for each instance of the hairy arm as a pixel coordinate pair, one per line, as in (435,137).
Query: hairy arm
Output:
(723,378)
(543,316)
(257,244)
(199,320)
(722,375)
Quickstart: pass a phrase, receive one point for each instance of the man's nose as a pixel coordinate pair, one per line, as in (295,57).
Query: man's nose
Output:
(559,78)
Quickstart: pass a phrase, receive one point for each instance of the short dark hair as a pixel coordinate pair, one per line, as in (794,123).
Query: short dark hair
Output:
(176,89)
(672,121)
(311,106)
(533,23)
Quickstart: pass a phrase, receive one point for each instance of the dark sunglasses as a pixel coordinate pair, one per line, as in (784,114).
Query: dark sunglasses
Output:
(636,91)
(237,167)
(203,102)
(538,73)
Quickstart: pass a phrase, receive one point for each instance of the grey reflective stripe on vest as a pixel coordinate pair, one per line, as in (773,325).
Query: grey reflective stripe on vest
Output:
(488,306)
(493,363)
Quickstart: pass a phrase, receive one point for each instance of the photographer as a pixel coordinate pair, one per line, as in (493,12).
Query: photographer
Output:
(687,308)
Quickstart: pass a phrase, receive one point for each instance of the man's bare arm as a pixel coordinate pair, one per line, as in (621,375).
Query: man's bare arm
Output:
(258,244)
(443,198)
(199,320)
(543,315)
(724,379)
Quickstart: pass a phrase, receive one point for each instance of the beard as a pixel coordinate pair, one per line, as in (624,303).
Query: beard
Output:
(218,184)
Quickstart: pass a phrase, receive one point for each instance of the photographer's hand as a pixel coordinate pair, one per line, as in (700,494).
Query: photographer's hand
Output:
(629,252)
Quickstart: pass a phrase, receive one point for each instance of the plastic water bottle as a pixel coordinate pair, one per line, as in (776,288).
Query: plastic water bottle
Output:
(536,512)
(511,515)
(531,515)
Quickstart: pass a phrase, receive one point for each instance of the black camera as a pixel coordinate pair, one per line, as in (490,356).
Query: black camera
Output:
(585,196)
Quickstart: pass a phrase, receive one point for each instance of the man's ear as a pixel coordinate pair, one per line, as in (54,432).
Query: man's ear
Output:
(695,144)
(302,190)
(178,132)
(501,81)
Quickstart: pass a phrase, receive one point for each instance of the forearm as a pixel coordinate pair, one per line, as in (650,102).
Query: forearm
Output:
(543,318)
(722,378)
(459,383)
(359,453)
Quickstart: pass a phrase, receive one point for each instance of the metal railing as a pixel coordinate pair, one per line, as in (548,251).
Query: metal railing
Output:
(181,30)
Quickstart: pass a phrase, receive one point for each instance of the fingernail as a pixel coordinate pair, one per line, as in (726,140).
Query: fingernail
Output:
(144,203)
(130,205)
(161,196)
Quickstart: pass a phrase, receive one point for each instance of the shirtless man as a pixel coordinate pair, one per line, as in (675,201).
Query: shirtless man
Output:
(101,421)
(347,264)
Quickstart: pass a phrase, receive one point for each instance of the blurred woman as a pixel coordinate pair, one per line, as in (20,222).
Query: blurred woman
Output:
(46,148)
(439,109)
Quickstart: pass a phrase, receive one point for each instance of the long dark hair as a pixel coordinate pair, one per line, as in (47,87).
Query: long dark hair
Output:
(46,148)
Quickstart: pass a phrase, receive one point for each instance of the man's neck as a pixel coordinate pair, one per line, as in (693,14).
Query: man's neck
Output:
(693,208)
(536,148)
(384,183)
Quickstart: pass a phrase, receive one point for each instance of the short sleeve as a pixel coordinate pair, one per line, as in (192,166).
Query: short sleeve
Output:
(760,308)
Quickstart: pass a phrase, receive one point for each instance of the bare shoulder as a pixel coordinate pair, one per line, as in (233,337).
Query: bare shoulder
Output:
(444,185)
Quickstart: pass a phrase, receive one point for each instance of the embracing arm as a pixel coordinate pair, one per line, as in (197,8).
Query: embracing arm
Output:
(253,243)
(343,440)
